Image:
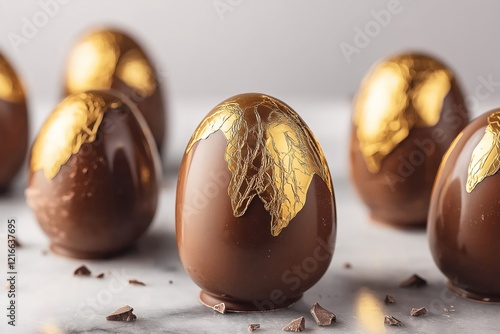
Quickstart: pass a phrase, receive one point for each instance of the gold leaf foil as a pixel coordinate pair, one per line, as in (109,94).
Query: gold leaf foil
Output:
(485,159)
(270,153)
(399,94)
(103,55)
(73,123)
(135,71)
(11,89)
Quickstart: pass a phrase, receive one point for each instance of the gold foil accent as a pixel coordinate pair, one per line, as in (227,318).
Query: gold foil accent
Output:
(134,70)
(104,55)
(270,153)
(11,89)
(399,94)
(485,159)
(73,123)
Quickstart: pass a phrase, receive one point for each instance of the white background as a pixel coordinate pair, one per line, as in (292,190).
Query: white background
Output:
(288,49)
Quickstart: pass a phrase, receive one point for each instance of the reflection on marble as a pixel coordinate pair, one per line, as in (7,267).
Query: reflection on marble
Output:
(369,311)
(52,300)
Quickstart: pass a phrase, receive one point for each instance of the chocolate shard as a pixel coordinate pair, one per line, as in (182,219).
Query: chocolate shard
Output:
(389,299)
(391,321)
(347,265)
(101,275)
(17,244)
(253,327)
(221,308)
(296,325)
(322,316)
(414,281)
(136,282)
(123,313)
(82,271)
(415,312)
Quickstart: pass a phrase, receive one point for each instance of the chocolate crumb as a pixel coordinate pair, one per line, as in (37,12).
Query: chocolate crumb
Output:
(322,316)
(253,327)
(101,275)
(296,325)
(17,244)
(170,282)
(391,321)
(135,282)
(221,308)
(124,313)
(347,265)
(82,271)
(414,281)
(415,312)
(389,299)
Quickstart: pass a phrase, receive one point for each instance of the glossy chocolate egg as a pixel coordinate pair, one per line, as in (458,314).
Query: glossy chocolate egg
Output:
(464,216)
(94,175)
(408,110)
(255,211)
(13,124)
(110,59)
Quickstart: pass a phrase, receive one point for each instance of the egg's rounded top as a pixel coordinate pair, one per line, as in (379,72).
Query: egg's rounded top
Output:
(270,153)
(11,88)
(398,94)
(74,122)
(110,59)
(102,55)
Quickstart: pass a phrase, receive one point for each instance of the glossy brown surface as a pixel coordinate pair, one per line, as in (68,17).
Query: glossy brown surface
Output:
(463,227)
(399,193)
(105,196)
(13,124)
(124,66)
(237,260)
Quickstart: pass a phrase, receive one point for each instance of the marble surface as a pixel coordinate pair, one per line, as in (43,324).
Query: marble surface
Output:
(52,300)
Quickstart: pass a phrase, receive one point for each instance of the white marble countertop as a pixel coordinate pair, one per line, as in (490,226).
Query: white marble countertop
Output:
(51,300)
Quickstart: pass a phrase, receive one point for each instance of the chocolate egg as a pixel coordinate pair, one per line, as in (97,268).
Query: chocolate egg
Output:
(94,175)
(110,59)
(255,209)
(408,110)
(13,124)
(464,216)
